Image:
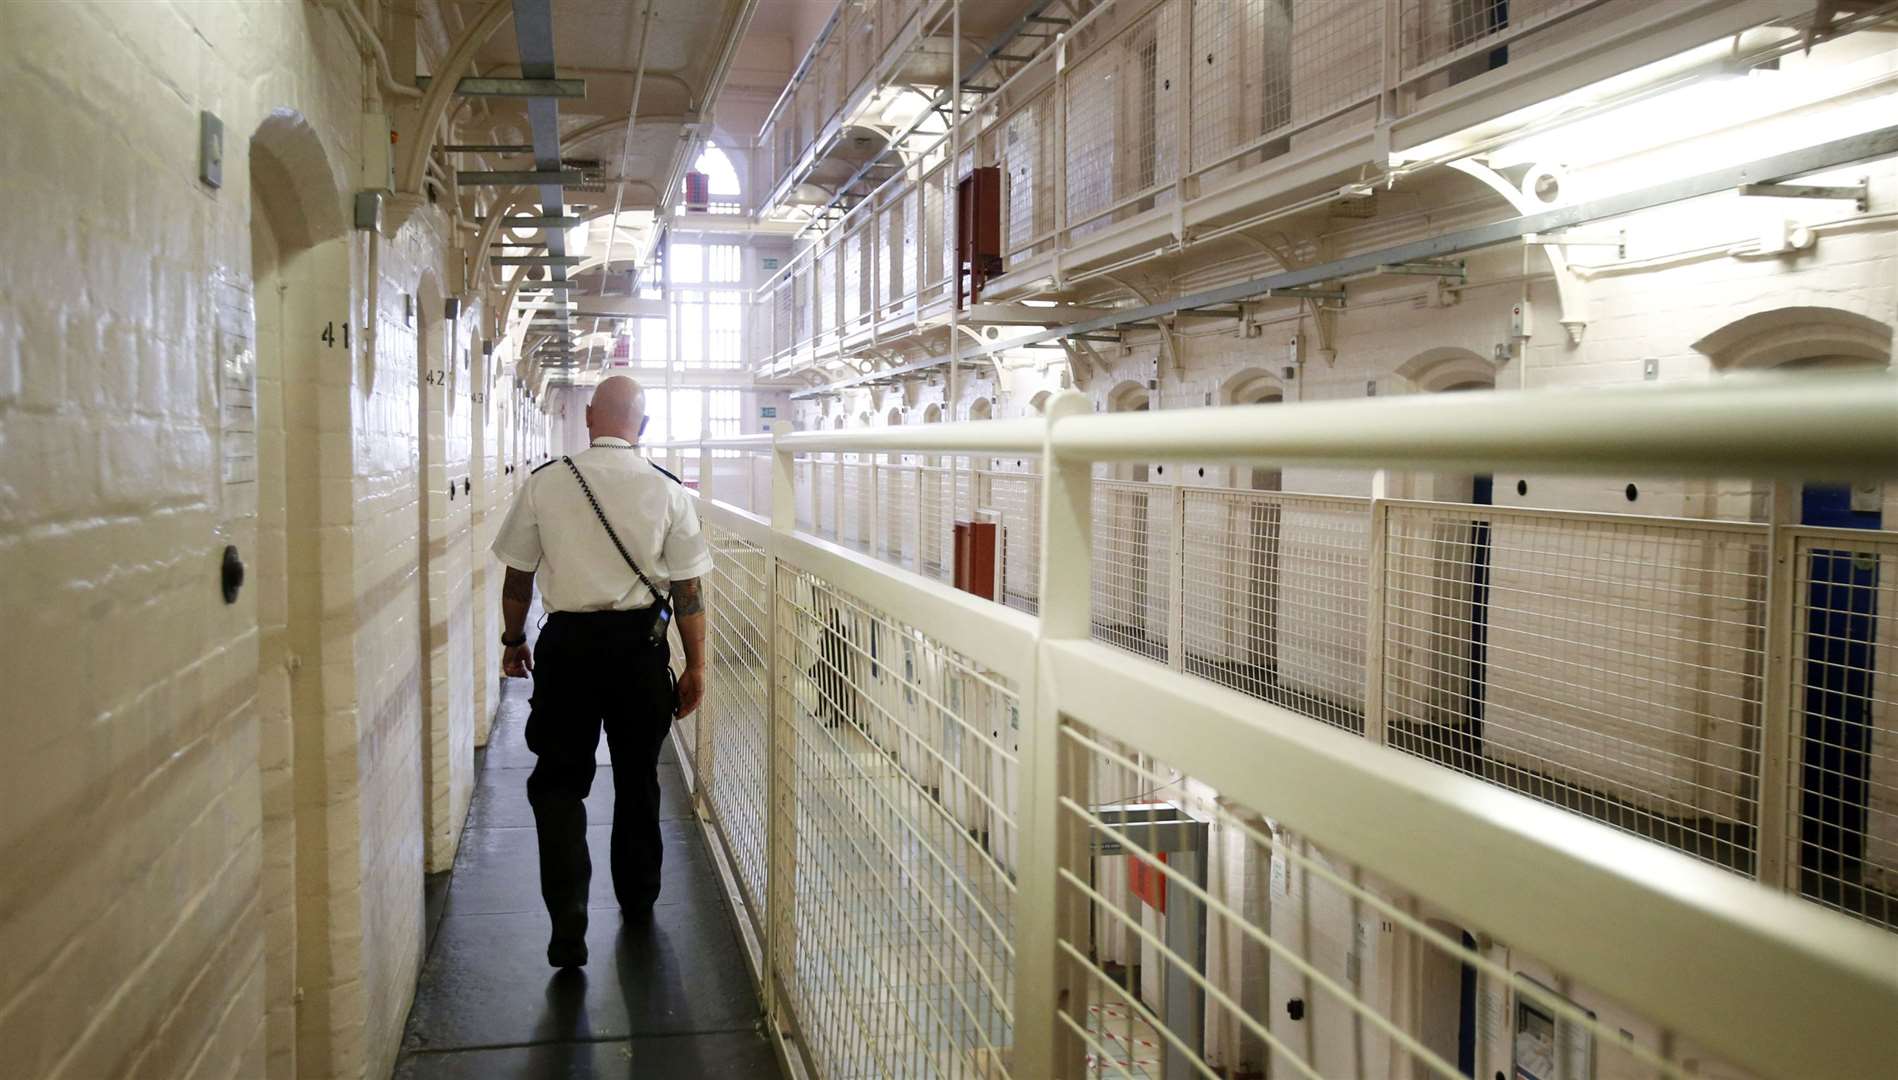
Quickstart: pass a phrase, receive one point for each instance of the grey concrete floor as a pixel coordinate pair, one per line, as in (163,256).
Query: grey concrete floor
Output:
(667,999)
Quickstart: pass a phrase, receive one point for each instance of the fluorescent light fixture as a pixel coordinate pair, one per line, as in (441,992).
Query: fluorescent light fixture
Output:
(1710,57)
(1686,114)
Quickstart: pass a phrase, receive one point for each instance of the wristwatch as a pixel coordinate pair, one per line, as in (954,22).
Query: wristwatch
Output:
(521,640)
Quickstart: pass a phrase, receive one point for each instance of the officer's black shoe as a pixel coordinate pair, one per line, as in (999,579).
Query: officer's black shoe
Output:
(568,948)
(566,953)
(636,914)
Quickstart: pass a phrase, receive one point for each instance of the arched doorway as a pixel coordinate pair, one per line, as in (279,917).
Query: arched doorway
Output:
(934,530)
(1446,638)
(1254,386)
(299,262)
(1847,737)
(829,501)
(972,487)
(1131,531)
(1252,529)
(896,498)
(859,480)
(1446,370)
(1130,396)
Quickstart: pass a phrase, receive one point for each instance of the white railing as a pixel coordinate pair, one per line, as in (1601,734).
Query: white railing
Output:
(1142,111)
(986,845)
(1611,664)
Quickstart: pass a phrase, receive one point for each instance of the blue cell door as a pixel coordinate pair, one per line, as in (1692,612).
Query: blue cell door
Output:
(1841,611)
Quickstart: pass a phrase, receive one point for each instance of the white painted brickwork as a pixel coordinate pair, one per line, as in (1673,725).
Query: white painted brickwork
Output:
(197,886)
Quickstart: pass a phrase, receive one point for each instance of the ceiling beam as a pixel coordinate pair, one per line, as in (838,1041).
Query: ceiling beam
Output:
(483,86)
(536,221)
(534,260)
(542,177)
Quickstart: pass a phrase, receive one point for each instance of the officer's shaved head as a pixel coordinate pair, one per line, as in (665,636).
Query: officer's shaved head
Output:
(617,408)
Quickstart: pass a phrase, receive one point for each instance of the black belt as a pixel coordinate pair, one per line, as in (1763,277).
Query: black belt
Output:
(604,618)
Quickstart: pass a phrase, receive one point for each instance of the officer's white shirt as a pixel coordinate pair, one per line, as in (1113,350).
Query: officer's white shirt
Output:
(552,531)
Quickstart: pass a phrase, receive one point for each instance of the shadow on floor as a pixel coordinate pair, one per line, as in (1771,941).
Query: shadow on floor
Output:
(668,999)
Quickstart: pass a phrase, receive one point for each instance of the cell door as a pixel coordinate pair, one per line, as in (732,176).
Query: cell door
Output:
(1841,612)
(1481,493)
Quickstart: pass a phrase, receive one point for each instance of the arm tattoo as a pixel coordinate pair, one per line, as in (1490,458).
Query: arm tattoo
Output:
(519,585)
(687,599)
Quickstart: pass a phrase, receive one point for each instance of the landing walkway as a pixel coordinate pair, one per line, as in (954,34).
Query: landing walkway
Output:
(672,999)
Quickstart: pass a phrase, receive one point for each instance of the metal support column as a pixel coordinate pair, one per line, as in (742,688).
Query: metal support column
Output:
(1377,565)
(1175,579)
(872,530)
(1046,914)
(781,792)
(922,476)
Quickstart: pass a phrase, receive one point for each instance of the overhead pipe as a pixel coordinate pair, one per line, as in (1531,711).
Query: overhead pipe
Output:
(441,92)
(625,150)
(366,38)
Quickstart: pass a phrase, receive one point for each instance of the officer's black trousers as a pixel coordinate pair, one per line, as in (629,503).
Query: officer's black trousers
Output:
(592,668)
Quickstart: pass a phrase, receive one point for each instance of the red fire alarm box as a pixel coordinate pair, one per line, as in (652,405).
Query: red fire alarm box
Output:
(978,551)
(978,229)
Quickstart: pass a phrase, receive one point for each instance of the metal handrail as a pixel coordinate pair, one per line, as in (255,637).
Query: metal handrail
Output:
(1804,426)
(1810,427)
(1777,983)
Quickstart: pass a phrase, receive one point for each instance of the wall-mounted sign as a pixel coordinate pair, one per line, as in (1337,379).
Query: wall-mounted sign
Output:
(768,412)
(767,262)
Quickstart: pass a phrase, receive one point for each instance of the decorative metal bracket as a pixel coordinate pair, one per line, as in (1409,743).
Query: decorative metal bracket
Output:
(1317,296)
(1456,269)
(1525,201)
(1860,194)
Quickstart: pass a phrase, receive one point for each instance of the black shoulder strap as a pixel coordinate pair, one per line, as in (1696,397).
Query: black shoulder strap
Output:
(667,473)
(539,467)
(613,536)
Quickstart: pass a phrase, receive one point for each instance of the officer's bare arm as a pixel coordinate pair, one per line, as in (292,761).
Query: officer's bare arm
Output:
(517,593)
(688,604)
(688,610)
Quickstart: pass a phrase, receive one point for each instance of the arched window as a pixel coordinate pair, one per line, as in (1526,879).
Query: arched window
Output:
(723,194)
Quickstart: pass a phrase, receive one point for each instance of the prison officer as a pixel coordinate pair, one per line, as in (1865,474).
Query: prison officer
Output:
(597,659)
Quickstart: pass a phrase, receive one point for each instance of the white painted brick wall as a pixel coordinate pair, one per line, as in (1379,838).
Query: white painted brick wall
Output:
(152,779)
